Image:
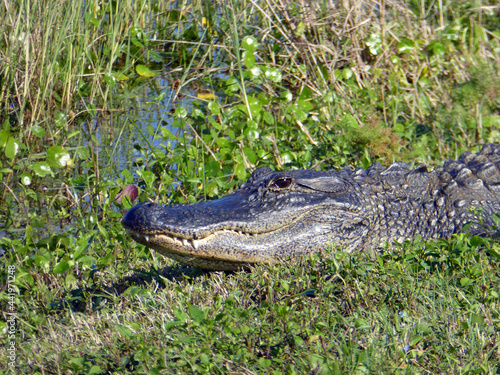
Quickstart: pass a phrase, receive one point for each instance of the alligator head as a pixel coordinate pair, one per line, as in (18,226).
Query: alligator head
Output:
(273,216)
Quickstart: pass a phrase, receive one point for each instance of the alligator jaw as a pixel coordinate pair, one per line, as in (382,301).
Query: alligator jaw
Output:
(225,245)
(199,252)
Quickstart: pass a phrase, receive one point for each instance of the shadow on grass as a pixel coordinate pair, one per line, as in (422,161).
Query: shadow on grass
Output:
(102,293)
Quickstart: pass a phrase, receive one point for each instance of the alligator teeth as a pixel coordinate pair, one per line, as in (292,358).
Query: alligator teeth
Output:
(185,242)
(146,238)
(240,232)
(195,244)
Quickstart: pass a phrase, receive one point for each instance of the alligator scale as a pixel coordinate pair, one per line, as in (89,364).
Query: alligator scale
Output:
(278,215)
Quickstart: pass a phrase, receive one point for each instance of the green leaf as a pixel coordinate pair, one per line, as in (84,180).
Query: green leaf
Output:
(255,106)
(148,177)
(180,315)
(395,59)
(103,231)
(287,96)
(153,55)
(249,59)
(87,259)
(38,131)
(223,142)
(347,73)
(196,313)
(212,189)
(83,153)
(92,109)
(265,363)
(95,370)
(424,328)
(437,48)
(406,45)
(349,121)
(491,121)
(21,273)
(240,171)
(120,76)
(58,157)
(298,112)
(124,331)
(12,148)
(305,105)
(479,35)
(273,74)
(301,27)
(249,43)
(361,324)
(94,21)
(166,133)
(60,267)
(477,320)
(464,281)
(110,80)
(41,169)
(250,155)
(374,43)
(73,134)
(41,262)
(287,157)
(214,108)
(306,94)
(252,134)
(268,118)
(215,124)
(180,112)
(144,71)
(416,340)
(424,82)
(77,363)
(493,253)
(26,179)
(4,137)
(232,86)
(323,72)
(60,119)
(255,71)
(399,128)
(477,241)
(205,359)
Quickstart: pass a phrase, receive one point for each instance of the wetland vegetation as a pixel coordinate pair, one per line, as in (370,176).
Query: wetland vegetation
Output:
(183,100)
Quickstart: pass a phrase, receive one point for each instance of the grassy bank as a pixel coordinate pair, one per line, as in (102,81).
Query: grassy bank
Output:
(280,84)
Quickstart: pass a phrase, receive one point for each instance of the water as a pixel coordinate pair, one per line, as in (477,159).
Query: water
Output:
(116,137)
(126,131)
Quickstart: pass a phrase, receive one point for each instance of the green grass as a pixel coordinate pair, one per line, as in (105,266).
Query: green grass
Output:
(279,84)
(418,309)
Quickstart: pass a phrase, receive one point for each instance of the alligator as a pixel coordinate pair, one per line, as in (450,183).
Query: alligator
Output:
(275,216)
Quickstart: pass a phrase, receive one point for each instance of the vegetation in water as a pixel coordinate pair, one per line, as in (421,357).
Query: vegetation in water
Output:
(228,87)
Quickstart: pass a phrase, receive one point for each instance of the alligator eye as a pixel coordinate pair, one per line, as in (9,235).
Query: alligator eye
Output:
(282,183)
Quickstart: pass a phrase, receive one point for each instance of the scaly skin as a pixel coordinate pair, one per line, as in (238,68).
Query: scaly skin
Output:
(278,215)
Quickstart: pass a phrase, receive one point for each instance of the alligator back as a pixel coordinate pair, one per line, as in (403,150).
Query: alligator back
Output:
(433,204)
